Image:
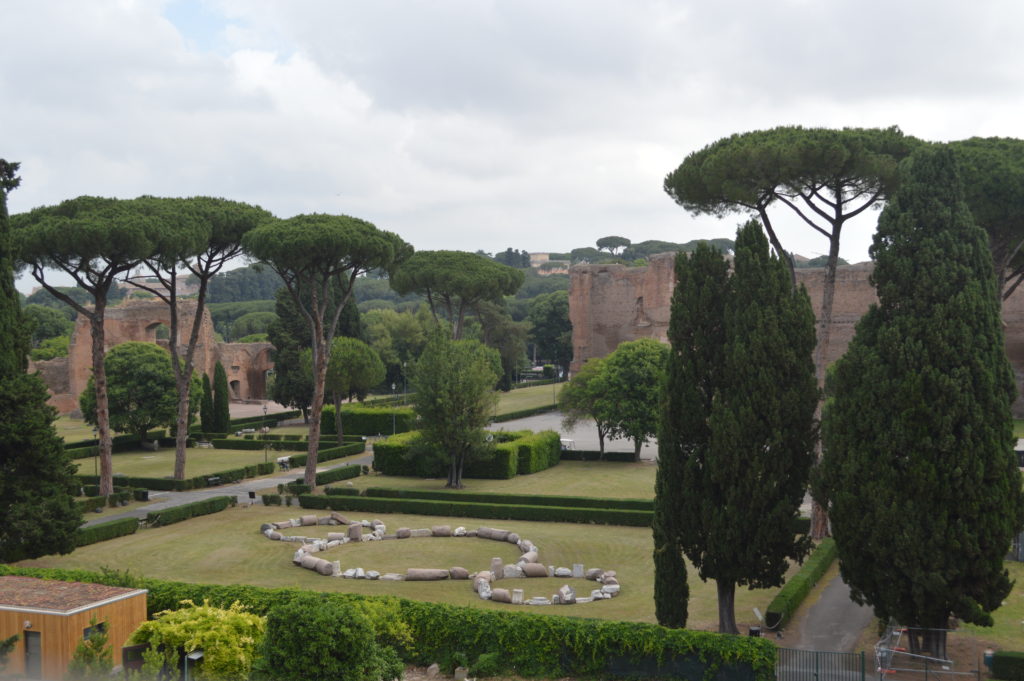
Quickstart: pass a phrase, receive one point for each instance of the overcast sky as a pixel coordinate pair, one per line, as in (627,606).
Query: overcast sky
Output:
(537,124)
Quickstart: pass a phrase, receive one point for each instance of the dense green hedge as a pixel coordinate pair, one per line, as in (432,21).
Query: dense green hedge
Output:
(131,493)
(527,453)
(391,457)
(359,419)
(329,453)
(107,530)
(339,473)
(259,421)
(342,491)
(797,587)
(198,482)
(461,509)
(522,643)
(91,504)
(1008,666)
(176,514)
(592,455)
(538,452)
(517,499)
(271,499)
(83,449)
(252,445)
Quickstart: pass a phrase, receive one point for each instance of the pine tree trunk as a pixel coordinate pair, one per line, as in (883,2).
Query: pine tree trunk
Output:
(316,409)
(726,607)
(337,417)
(99,374)
(637,445)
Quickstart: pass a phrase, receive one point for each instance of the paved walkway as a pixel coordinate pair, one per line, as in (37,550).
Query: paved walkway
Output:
(833,623)
(162,500)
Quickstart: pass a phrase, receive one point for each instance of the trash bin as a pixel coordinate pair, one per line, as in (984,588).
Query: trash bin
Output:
(755,631)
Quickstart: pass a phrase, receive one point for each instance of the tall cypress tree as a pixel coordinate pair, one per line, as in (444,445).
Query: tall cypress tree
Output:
(221,400)
(919,472)
(744,428)
(206,414)
(38,514)
(696,336)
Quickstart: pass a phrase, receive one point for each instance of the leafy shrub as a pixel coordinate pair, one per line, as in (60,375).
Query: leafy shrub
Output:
(537,451)
(271,499)
(793,593)
(176,514)
(329,454)
(93,657)
(1008,666)
(309,639)
(229,638)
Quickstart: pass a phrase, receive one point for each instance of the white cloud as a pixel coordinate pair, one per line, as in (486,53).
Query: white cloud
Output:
(476,123)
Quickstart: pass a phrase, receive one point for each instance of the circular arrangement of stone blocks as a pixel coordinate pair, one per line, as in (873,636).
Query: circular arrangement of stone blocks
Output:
(484,581)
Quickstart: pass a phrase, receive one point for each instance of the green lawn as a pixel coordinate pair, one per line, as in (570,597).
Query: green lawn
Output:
(528,398)
(568,478)
(1007,631)
(147,464)
(227,548)
(73,430)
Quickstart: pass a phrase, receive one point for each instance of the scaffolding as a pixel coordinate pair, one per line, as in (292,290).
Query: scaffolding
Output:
(895,660)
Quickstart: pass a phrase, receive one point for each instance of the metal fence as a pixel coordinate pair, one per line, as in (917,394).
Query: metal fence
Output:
(816,665)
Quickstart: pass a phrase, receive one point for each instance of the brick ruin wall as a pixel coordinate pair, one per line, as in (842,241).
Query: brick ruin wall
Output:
(612,304)
(246,364)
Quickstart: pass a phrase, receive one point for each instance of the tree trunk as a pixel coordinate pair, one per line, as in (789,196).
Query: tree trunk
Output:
(637,445)
(99,376)
(600,442)
(819,516)
(183,370)
(455,472)
(316,409)
(930,642)
(337,416)
(726,607)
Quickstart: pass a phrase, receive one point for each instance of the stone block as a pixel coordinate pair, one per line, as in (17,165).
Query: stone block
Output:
(459,573)
(577,570)
(403,533)
(534,570)
(511,572)
(501,596)
(441,531)
(425,574)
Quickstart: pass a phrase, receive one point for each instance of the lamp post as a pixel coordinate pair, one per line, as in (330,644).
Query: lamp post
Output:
(263,430)
(393,408)
(194,656)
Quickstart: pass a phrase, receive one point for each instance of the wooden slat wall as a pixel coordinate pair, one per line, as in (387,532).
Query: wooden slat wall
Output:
(60,634)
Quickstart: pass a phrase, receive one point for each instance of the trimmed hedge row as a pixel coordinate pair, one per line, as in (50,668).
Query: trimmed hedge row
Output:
(107,530)
(360,419)
(538,452)
(91,504)
(461,509)
(198,482)
(176,514)
(515,499)
(796,588)
(134,493)
(339,473)
(252,445)
(329,454)
(521,643)
(527,453)
(591,455)
(84,449)
(342,491)
(523,413)
(252,421)
(1008,665)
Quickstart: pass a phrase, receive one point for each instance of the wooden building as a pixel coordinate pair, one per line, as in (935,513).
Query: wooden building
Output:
(52,617)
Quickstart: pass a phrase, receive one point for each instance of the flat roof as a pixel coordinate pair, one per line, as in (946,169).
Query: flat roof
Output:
(29,594)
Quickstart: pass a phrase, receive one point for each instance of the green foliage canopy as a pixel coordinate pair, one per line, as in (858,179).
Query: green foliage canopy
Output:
(919,473)
(142,392)
(632,376)
(455,282)
(454,398)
